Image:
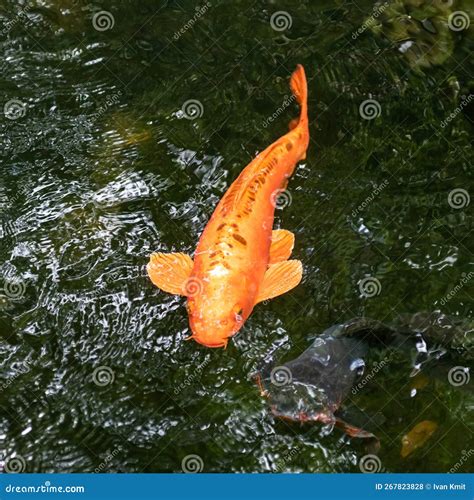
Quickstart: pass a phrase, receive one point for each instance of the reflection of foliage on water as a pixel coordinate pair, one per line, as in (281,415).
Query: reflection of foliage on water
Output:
(422,30)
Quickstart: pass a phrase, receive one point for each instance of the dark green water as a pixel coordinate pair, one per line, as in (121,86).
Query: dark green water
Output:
(100,167)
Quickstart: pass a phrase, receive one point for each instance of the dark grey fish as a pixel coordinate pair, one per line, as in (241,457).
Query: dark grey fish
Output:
(313,386)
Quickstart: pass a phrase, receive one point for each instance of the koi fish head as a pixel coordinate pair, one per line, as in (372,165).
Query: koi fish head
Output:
(213,324)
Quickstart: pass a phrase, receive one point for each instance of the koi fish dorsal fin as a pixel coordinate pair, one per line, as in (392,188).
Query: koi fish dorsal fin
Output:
(239,186)
(229,200)
(170,272)
(279,279)
(283,242)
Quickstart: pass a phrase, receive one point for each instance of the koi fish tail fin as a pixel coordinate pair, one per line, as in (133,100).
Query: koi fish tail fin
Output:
(299,88)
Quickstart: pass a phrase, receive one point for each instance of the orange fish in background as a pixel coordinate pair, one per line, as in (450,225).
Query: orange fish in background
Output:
(240,261)
(417,437)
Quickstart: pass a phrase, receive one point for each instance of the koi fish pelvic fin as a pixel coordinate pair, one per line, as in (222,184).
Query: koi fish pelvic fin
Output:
(170,272)
(282,245)
(279,279)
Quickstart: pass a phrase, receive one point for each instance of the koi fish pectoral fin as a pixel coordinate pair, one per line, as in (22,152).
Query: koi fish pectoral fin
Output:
(170,271)
(282,245)
(279,279)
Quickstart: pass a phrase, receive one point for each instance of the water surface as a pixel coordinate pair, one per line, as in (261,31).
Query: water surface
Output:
(120,133)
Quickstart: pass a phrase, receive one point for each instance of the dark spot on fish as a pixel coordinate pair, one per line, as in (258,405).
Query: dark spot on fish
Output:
(289,146)
(215,254)
(240,239)
(221,226)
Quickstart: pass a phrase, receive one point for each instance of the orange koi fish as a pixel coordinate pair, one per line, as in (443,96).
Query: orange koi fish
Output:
(239,261)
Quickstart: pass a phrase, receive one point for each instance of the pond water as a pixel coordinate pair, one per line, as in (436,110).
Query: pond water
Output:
(122,125)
